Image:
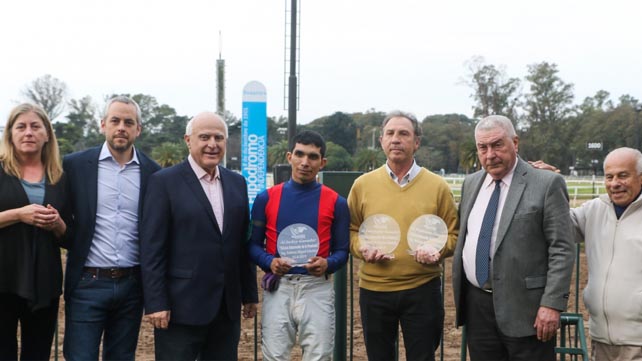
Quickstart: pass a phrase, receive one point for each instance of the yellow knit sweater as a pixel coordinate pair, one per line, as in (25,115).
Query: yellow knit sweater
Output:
(377,193)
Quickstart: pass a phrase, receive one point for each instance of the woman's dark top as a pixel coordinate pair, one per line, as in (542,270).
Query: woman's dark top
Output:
(30,264)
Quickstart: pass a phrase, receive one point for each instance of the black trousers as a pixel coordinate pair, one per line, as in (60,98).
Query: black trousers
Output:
(487,343)
(420,313)
(36,328)
(217,340)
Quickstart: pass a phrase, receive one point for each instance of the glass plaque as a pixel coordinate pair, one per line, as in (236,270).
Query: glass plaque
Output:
(381,232)
(298,242)
(427,229)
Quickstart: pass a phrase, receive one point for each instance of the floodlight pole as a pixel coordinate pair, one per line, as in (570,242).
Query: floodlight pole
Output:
(292,81)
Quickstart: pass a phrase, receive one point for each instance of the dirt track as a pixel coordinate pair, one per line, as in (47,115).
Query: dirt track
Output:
(452,336)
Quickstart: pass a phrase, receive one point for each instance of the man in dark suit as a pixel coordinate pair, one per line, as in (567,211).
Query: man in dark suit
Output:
(514,256)
(195,267)
(103,290)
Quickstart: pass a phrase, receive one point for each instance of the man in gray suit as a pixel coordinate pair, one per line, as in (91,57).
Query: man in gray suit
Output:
(514,256)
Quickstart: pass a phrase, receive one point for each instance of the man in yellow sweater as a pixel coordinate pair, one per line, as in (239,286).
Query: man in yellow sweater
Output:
(398,287)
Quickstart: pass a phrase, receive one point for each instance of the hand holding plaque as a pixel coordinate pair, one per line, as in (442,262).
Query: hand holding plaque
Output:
(379,235)
(426,254)
(298,243)
(427,235)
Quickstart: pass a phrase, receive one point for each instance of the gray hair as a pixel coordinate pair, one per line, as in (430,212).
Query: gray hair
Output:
(190,123)
(493,122)
(402,114)
(125,100)
(637,156)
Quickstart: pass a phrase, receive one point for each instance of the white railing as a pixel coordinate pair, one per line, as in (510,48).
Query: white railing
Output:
(579,188)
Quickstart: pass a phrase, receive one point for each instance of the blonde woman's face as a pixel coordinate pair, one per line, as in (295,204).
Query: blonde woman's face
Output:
(29,134)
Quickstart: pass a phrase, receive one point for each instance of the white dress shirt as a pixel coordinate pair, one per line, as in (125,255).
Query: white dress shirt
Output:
(475,219)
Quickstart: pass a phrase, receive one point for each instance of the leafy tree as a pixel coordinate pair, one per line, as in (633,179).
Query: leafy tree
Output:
(599,101)
(49,93)
(160,123)
(442,138)
(157,118)
(371,118)
(550,98)
(587,126)
(64,146)
(81,130)
(493,91)
(368,159)
(338,157)
(169,154)
(339,128)
(548,108)
(429,158)
(230,119)
(84,113)
(468,156)
(368,128)
(277,129)
(627,99)
(613,127)
(277,153)
(148,107)
(173,128)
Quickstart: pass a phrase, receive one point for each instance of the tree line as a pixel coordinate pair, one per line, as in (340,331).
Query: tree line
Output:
(551,125)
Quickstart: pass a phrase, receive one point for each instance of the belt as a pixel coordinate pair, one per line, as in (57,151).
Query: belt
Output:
(302,276)
(486,290)
(112,272)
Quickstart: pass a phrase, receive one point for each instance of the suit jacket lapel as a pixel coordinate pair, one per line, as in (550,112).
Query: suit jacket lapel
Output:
(146,169)
(90,173)
(225,179)
(512,200)
(195,186)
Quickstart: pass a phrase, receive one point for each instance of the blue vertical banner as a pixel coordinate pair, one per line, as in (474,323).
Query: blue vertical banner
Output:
(254,138)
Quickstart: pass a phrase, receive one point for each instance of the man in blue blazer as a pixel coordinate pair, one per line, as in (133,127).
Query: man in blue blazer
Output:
(195,267)
(514,256)
(103,291)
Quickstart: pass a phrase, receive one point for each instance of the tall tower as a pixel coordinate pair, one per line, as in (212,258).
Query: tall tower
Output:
(292,30)
(220,86)
(220,80)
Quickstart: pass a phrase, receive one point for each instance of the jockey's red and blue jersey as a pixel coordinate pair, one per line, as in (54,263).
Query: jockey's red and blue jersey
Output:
(312,204)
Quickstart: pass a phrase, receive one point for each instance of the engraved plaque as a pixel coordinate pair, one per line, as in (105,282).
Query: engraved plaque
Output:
(427,229)
(381,232)
(298,242)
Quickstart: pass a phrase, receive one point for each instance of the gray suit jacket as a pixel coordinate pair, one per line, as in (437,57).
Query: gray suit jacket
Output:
(534,249)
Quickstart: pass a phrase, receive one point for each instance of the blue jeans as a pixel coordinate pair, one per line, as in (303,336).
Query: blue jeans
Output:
(103,305)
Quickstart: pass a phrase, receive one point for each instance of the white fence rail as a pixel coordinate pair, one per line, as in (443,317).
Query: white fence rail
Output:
(579,188)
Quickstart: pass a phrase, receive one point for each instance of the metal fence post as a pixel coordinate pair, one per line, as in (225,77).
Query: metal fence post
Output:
(340,307)
(341,182)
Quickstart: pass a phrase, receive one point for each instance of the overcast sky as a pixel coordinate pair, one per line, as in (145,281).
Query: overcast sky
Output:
(355,54)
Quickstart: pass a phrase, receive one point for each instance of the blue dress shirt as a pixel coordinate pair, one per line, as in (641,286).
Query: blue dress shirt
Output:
(115,242)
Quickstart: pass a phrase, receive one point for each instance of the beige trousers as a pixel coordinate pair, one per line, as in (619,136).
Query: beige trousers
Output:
(603,352)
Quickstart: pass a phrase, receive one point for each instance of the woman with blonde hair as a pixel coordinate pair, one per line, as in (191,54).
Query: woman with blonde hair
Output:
(32,199)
